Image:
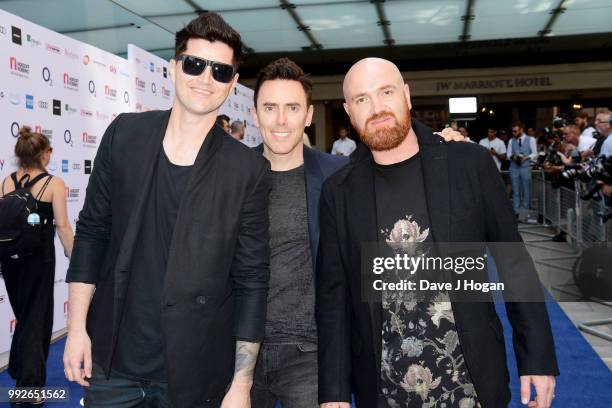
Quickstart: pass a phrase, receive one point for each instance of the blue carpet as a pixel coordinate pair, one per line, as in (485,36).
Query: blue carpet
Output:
(585,381)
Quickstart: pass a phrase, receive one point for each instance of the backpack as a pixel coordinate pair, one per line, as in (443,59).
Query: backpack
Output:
(20,223)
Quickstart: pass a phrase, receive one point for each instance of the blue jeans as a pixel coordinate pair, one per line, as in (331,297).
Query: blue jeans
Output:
(124,392)
(521,185)
(286,373)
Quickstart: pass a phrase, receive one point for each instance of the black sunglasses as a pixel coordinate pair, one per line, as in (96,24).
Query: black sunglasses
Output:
(195,66)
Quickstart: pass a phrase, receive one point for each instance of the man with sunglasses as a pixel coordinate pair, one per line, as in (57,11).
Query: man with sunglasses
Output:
(169,274)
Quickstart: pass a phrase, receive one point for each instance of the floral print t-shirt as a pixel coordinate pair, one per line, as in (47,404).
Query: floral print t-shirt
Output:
(422,364)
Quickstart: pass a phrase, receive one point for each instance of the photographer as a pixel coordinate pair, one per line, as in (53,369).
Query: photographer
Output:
(604,128)
(581,119)
(572,152)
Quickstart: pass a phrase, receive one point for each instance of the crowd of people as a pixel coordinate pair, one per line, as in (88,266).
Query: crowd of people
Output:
(224,276)
(570,143)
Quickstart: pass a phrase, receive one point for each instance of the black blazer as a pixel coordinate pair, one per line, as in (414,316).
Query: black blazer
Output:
(467,202)
(318,166)
(218,266)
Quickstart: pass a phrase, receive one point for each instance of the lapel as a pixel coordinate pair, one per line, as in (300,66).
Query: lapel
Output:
(314,180)
(434,164)
(361,221)
(198,192)
(149,153)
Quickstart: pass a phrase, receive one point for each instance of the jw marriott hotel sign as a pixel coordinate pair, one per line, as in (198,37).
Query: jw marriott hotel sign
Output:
(500,84)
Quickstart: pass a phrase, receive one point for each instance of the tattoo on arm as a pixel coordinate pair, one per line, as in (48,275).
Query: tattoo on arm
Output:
(246,358)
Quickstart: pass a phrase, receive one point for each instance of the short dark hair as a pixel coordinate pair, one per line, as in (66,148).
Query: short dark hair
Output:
(284,68)
(518,124)
(221,118)
(211,27)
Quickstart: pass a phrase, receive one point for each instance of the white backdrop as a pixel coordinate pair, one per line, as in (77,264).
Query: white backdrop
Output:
(152,83)
(237,107)
(70,91)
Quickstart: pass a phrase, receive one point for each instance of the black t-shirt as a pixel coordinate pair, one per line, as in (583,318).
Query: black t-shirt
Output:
(422,363)
(140,350)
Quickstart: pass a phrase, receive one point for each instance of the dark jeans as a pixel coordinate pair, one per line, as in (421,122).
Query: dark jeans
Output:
(124,392)
(286,373)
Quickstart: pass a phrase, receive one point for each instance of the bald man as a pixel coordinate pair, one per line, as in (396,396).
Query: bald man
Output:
(398,188)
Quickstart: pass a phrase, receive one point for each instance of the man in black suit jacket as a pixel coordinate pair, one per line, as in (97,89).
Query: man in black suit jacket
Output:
(171,247)
(406,184)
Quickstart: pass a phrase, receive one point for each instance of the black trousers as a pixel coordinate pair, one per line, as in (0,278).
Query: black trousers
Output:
(29,283)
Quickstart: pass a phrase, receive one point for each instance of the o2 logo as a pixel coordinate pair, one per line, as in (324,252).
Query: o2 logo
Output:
(68,137)
(46,75)
(15,129)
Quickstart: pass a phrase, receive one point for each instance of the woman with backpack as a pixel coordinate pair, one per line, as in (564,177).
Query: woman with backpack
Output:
(33,199)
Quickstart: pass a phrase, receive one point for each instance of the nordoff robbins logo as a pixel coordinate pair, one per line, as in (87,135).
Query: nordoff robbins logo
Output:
(89,140)
(20,69)
(71,82)
(140,84)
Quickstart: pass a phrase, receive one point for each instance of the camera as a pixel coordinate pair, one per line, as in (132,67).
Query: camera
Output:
(555,131)
(591,171)
(551,155)
(599,169)
(516,159)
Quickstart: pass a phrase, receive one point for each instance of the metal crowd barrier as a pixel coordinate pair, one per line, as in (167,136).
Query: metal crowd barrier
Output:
(563,208)
(581,220)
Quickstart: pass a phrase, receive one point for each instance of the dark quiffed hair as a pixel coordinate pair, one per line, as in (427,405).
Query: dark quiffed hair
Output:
(30,147)
(518,124)
(284,68)
(211,27)
(222,118)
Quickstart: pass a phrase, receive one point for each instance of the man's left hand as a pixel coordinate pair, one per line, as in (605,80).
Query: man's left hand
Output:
(238,396)
(544,387)
(451,135)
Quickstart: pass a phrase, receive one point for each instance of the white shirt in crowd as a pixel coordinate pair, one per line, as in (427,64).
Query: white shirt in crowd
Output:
(586,143)
(606,147)
(344,147)
(588,131)
(496,144)
(525,139)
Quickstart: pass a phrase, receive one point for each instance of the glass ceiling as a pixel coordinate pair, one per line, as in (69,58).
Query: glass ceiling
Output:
(272,26)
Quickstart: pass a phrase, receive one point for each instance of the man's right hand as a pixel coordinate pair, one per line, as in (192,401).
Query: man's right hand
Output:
(336,405)
(77,357)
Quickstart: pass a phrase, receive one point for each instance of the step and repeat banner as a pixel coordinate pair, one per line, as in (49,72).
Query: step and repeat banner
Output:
(238,107)
(71,91)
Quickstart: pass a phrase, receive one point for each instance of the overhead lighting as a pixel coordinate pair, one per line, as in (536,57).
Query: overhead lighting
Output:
(483,109)
(491,112)
(577,106)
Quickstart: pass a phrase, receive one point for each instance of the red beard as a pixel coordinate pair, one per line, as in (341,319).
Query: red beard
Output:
(385,137)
